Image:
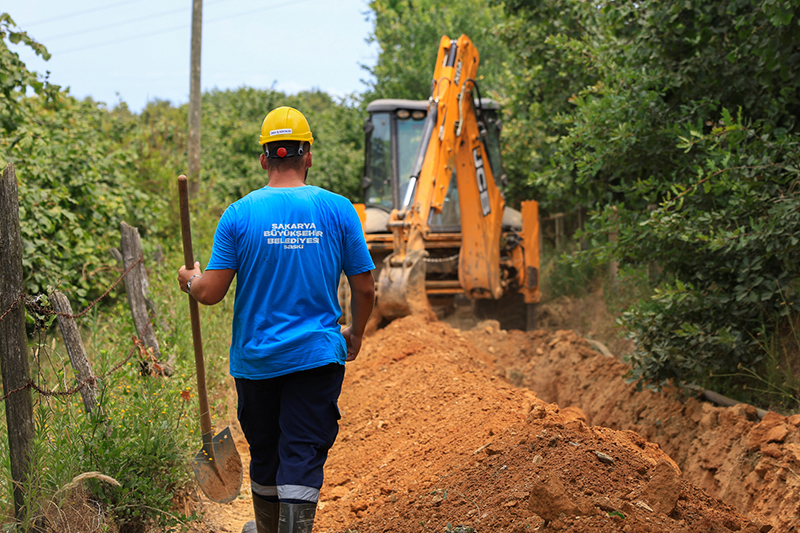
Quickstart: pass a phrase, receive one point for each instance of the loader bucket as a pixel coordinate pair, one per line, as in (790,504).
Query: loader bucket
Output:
(401,288)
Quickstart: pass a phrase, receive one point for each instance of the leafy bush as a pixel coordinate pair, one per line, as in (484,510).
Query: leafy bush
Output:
(15,78)
(143,443)
(231,125)
(729,243)
(76,175)
(145,429)
(75,187)
(561,276)
(650,145)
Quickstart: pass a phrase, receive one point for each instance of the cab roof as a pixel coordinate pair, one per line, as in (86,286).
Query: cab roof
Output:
(393,104)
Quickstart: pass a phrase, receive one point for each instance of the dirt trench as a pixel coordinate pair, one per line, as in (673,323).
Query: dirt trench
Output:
(751,464)
(487,430)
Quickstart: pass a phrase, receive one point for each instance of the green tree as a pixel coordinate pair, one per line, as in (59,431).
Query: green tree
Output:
(15,78)
(539,81)
(682,136)
(231,125)
(408,34)
(76,175)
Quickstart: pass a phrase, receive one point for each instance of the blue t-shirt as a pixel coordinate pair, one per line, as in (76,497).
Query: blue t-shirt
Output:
(288,247)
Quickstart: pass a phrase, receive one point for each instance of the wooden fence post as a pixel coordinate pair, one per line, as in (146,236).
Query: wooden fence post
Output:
(584,244)
(613,266)
(76,351)
(137,287)
(13,343)
(558,218)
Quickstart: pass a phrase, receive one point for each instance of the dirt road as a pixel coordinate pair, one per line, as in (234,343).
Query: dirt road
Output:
(446,430)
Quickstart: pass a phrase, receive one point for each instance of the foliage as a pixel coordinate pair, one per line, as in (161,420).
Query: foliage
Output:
(160,142)
(408,33)
(777,377)
(75,187)
(538,83)
(773,382)
(652,62)
(145,437)
(563,277)
(76,174)
(729,243)
(705,194)
(15,78)
(231,124)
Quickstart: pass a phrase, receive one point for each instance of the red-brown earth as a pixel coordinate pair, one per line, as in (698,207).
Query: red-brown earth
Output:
(506,431)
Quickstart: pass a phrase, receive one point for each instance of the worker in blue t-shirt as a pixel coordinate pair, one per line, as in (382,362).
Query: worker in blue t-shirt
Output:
(288,244)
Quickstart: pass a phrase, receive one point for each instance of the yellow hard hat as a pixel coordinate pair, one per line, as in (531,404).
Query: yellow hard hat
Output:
(285,124)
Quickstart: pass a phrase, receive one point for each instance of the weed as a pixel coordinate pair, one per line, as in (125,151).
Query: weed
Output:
(773,382)
(142,432)
(564,276)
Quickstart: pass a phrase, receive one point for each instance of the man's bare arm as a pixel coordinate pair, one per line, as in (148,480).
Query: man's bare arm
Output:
(362,298)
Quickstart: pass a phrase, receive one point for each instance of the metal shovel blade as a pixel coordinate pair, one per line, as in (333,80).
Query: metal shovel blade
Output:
(218,468)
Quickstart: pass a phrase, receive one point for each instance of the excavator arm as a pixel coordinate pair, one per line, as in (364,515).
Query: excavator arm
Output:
(452,147)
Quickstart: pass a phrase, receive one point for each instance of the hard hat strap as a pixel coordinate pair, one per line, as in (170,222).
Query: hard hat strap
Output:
(288,151)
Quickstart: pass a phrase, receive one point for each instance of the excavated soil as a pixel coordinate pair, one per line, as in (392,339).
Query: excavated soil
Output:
(487,430)
(220,486)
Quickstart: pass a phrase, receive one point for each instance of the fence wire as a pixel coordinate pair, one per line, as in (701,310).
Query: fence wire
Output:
(32,304)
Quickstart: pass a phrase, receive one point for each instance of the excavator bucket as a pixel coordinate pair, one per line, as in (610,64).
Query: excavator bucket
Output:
(401,288)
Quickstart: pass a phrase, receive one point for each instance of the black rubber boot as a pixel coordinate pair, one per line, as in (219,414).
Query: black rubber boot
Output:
(297,517)
(267,514)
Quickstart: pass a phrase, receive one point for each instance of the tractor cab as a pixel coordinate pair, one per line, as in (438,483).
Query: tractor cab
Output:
(394,130)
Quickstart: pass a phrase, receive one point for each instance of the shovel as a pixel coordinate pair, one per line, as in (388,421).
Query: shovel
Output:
(217,465)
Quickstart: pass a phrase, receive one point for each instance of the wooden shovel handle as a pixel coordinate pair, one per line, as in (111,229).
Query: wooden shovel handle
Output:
(194,311)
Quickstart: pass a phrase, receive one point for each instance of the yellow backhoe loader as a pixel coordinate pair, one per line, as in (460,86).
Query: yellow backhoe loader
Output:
(434,217)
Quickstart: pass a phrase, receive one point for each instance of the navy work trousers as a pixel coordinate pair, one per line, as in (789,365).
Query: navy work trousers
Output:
(290,423)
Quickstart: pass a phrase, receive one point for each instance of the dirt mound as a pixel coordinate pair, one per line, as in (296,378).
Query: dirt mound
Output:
(441,433)
(749,463)
(433,440)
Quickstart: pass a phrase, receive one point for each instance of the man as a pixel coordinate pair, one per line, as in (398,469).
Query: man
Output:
(288,244)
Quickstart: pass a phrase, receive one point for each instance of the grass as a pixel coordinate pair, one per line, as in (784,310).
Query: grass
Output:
(561,276)
(144,429)
(773,384)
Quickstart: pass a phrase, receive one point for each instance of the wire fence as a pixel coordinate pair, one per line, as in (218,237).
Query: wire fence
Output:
(33,304)
(137,345)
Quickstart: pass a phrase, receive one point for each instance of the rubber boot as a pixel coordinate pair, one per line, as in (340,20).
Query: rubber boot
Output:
(267,514)
(297,517)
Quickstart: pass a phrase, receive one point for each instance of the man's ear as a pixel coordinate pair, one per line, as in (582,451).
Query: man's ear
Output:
(309,160)
(264,161)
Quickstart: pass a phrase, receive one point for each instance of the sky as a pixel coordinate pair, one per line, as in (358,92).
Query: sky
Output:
(137,51)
